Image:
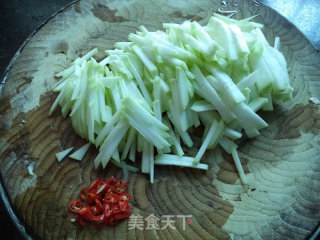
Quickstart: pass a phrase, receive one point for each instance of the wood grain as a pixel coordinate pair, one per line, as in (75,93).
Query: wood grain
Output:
(282,165)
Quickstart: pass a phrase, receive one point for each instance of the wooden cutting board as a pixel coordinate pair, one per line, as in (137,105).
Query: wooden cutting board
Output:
(282,199)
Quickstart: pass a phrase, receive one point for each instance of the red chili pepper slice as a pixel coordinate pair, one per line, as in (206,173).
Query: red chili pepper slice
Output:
(84,210)
(118,182)
(94,184)
(94,210)
(111,180)
(75,206)
(91,196)
(125,208)
(121,203)
(106,206)
(111,198)
(116,209)
(110,189)
(107,210)
(98,219)
(84,193)
(86,214)
(105,203)
(99,205)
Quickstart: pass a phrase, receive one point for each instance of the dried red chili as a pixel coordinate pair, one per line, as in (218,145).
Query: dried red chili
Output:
(105,202)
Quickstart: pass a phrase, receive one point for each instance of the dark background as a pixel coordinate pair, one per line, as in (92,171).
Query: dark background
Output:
(19,18)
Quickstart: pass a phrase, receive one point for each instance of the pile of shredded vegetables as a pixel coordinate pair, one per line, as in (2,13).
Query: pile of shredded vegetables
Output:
(151,92)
